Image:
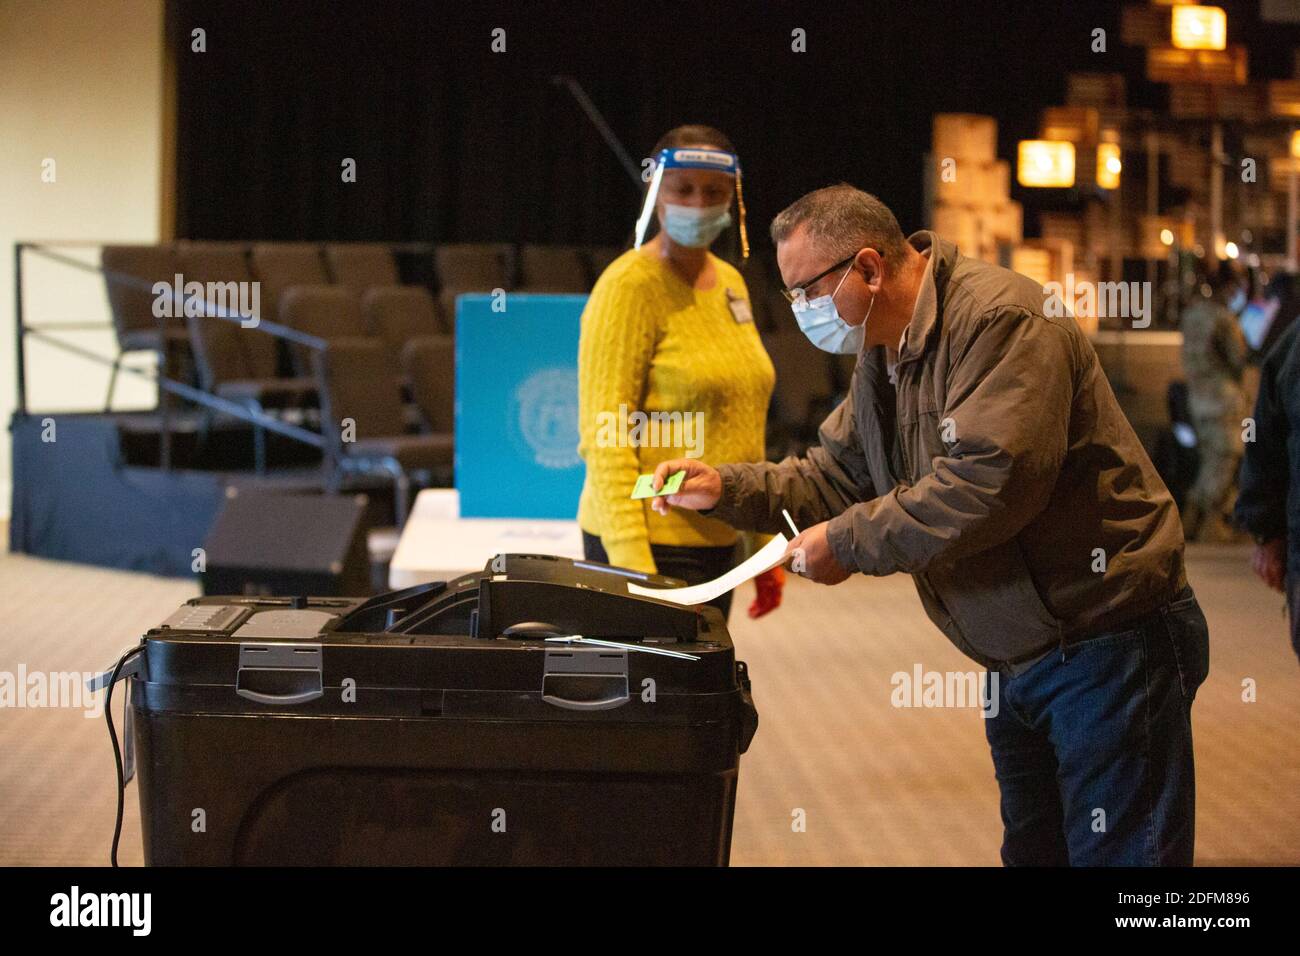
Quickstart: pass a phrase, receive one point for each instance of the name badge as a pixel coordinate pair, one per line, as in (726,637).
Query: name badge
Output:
(739,305)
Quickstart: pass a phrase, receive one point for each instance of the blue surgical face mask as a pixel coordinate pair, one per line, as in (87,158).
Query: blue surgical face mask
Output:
(820,321)
(1238,301)
(694,226)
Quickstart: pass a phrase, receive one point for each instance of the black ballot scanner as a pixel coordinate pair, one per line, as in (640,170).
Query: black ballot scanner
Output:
(439,725)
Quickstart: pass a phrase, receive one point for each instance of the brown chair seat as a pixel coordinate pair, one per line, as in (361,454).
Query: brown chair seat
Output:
(552,269)
(142,340)
(468,268)
(398,314)
(361,265)
(130,274)
(225,350)
(430,365)
(326,311)
(363,421)
(411,451)
(266,390)
(281,265)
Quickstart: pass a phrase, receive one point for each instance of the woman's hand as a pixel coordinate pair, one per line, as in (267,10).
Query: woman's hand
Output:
(769,586)
(700,490)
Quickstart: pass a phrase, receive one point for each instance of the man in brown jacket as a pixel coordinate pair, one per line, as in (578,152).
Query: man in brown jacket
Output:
(981,450)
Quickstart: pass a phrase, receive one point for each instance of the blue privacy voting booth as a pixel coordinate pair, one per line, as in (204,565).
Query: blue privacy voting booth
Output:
(517,405)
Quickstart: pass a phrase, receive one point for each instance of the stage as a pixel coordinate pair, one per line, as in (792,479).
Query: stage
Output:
(89,487)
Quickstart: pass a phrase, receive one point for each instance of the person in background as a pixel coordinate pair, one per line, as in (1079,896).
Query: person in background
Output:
(668,331)
(1280,304)
(1215,356)
(1269,504)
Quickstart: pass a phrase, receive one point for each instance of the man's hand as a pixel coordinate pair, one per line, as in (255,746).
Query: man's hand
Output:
(700,490)
(1269,562)
(810,555)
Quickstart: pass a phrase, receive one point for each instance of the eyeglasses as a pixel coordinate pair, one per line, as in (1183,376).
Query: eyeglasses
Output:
(799,290)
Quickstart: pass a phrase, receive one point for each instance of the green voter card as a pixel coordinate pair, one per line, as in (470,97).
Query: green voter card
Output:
(644,489)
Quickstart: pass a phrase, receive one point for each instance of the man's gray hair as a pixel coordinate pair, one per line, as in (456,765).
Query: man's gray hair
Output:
(842,219)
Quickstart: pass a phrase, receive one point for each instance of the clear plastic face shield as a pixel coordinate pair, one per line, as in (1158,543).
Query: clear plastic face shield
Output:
(693,158)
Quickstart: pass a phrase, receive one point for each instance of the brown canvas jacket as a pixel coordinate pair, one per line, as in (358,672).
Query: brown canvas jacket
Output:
(1000,473)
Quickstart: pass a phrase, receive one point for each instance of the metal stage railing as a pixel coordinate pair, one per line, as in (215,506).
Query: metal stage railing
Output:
(167,387)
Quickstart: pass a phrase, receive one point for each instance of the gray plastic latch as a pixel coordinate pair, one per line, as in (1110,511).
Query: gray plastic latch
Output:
(280,673)
(128,735)
(585,678)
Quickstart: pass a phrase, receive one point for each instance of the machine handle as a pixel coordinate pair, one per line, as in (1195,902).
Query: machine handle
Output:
(582,678)
(308,693)
(613,688)
(271,673)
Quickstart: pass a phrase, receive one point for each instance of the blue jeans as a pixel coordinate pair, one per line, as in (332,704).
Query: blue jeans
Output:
(1092,746)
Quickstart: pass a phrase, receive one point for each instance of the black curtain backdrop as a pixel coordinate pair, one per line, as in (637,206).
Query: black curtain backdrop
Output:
(455,143)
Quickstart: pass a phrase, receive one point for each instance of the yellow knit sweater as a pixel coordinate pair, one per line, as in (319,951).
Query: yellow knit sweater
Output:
(664,371)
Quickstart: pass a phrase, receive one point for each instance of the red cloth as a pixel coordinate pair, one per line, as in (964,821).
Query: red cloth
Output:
(769,585)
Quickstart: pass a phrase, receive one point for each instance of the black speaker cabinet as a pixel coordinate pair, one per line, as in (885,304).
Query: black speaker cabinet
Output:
(288,544)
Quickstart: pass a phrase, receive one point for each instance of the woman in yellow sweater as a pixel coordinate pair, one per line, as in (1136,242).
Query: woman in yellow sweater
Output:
(670,365)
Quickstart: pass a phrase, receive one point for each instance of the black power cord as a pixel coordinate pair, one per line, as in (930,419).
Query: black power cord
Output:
(117,750)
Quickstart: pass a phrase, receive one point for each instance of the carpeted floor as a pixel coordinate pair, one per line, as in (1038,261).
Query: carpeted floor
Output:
(871,783)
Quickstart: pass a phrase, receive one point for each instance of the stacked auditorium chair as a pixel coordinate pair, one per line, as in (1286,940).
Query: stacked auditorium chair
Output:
(130,299)
(236,363)
(349,296)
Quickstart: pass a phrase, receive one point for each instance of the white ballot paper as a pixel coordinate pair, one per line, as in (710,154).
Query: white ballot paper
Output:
(767,557)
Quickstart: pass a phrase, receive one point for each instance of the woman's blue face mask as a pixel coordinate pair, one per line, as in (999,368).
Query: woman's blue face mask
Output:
(695,226)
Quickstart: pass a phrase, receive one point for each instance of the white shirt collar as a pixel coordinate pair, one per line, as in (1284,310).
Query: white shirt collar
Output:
(891,357)
(924,300)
